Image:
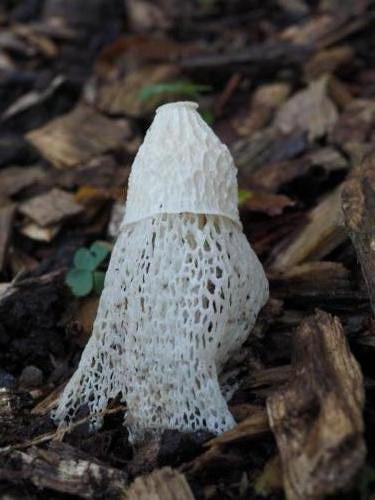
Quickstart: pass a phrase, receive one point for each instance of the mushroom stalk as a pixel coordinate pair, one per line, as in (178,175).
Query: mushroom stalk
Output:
(182,290)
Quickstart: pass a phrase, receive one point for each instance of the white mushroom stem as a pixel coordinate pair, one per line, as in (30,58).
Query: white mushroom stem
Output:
(180,297)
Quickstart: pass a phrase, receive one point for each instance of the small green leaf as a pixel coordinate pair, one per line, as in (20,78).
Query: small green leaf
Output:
(84,259)
(99,282)
(100,251)
(80,281)
(208,117)
(179,87)
(243,196)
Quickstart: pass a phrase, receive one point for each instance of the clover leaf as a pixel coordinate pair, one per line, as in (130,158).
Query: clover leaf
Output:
(85,275)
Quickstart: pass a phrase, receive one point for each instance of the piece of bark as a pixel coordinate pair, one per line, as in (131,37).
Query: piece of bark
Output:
(162,484)
(13,405)
(316,282)
(6,219)
(62,468)
(252,427)
(318,238)
(317,417)
(358,203)
(79,136)
(309,110)
(14,179)
(51,208)
(321,162)
(268,377)
(266,146)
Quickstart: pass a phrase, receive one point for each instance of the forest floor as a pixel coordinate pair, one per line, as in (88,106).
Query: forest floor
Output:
(289,86)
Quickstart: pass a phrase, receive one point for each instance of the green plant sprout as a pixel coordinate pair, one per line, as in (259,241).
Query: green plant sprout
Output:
(87,273)
(178,87)
(243,196)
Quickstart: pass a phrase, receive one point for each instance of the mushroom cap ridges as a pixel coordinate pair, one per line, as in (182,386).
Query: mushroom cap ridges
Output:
(182,166)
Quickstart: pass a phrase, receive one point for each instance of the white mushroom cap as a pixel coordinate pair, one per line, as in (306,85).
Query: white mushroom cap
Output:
(182,166)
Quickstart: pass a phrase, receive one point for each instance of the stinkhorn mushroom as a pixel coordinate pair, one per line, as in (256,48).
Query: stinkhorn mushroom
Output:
(182,290)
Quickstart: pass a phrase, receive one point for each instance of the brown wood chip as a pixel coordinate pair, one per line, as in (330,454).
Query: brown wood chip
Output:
(162,484)
(51,208)
(317,417)
(79,136)
(320,236)
(63,468)
(14,179)
(358,202)
(252,427)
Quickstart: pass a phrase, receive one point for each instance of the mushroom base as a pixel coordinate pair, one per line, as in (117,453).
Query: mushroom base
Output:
(181,295)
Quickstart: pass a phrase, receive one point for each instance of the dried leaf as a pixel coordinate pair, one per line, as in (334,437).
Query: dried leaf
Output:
(122,95)
(309,110)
